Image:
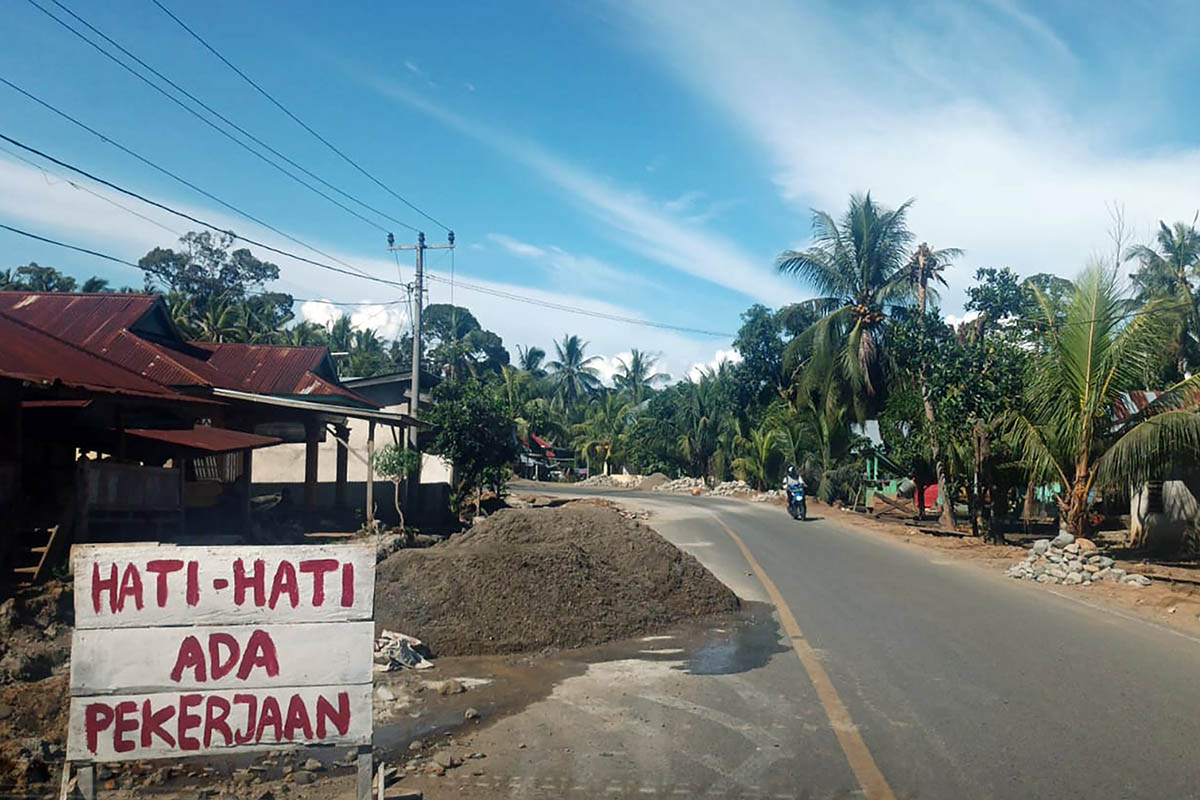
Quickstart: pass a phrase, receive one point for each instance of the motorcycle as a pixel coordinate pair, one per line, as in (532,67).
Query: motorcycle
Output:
(797,504)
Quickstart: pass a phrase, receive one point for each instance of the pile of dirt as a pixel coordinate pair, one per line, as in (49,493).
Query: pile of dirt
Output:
(529,579)
(35,632)
(35,651)
(653,481)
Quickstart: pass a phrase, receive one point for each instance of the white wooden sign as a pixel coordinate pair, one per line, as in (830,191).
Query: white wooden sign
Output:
(220,657)
(145,585)
(199,650)
(177,724)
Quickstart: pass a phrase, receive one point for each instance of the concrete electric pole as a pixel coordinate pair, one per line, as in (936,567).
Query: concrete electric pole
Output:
(418,297)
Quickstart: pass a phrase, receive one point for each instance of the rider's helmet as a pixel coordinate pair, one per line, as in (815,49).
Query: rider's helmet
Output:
(792,472)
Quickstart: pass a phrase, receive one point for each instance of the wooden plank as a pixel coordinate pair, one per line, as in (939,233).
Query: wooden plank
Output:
(246,657)
(123,728)
(144,585)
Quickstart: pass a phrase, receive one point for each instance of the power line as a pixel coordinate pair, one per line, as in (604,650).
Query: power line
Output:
(397,284)
(105,138)
(296,119)
(219,116)
(126,263)
(574,309)
(196,220)
(47,173)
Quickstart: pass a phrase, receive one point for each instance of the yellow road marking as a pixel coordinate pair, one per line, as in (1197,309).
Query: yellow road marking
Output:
(870,779)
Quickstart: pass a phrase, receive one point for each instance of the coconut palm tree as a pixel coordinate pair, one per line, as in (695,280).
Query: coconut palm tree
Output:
(705,417)
(531,359)
(1068,433)
(602,432)
(572,378)
(303,334)
(759,460)
(857,266)
(220,322)
(636,377)
(95,284)
(1166,271)
(926,266)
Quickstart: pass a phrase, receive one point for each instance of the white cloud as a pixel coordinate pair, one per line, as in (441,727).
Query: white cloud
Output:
(952,106)
(517,247)
(607,366)
(569,271)
(684,201)
(412,67)
(470,87)
(636,222)
(720,357)
(954,320)
(52,207)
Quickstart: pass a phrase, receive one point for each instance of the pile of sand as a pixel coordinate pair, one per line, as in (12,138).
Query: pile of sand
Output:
(533,578)
(653,481)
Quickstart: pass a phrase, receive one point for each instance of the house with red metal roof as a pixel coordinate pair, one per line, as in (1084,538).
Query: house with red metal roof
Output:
(114,422)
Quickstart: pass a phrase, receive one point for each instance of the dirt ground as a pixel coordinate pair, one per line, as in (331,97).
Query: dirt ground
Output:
(532,578)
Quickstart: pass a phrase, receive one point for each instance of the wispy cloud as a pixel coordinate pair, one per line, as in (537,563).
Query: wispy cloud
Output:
(951,105)
(569,270)
(637,223)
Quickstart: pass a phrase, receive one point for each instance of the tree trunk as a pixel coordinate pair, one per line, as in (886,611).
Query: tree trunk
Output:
(408,537)
(920,499)
(946,519)
(1027,511)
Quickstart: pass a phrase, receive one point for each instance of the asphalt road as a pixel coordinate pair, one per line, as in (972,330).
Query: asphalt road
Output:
(961,683)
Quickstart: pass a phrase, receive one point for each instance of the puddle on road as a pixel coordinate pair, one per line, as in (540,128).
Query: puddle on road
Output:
(723,645)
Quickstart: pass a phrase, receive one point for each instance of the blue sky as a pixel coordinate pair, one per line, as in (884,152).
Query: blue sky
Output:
(644,159)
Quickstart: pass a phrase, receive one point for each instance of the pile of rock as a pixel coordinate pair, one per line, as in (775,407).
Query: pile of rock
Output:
(1071,562)
(768,495)
(728,488)
(684,485)
(597,480)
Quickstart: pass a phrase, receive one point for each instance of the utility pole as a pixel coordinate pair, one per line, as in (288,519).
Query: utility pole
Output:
(418,298)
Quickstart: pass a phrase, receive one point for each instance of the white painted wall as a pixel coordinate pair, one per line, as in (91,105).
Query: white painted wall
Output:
(284,463)
(1166,528)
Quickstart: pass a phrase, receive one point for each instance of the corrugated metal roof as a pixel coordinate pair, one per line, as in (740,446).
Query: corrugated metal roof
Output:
(29,354)
(1129,404)
(90,321)
(212,440)
(276,369)
(135,331)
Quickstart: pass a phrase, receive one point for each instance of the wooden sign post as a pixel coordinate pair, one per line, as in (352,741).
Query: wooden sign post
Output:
(201,651)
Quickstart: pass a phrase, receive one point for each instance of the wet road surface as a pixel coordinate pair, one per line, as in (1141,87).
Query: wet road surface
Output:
(958,682)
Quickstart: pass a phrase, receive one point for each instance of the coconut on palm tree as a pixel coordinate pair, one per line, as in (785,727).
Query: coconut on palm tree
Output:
(636,377)
(857,266)
(572,376)
(1069,433)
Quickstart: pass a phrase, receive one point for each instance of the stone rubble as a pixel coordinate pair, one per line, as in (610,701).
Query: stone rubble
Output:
(729,488)
(1069,561)
(684,485)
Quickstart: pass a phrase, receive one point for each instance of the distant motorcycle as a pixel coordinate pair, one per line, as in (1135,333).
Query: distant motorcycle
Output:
(797,502)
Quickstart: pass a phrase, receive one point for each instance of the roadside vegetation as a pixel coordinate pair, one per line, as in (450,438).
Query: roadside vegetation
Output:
(1012,405)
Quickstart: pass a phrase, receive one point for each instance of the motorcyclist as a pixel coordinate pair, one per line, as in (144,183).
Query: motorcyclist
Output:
(793,478)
